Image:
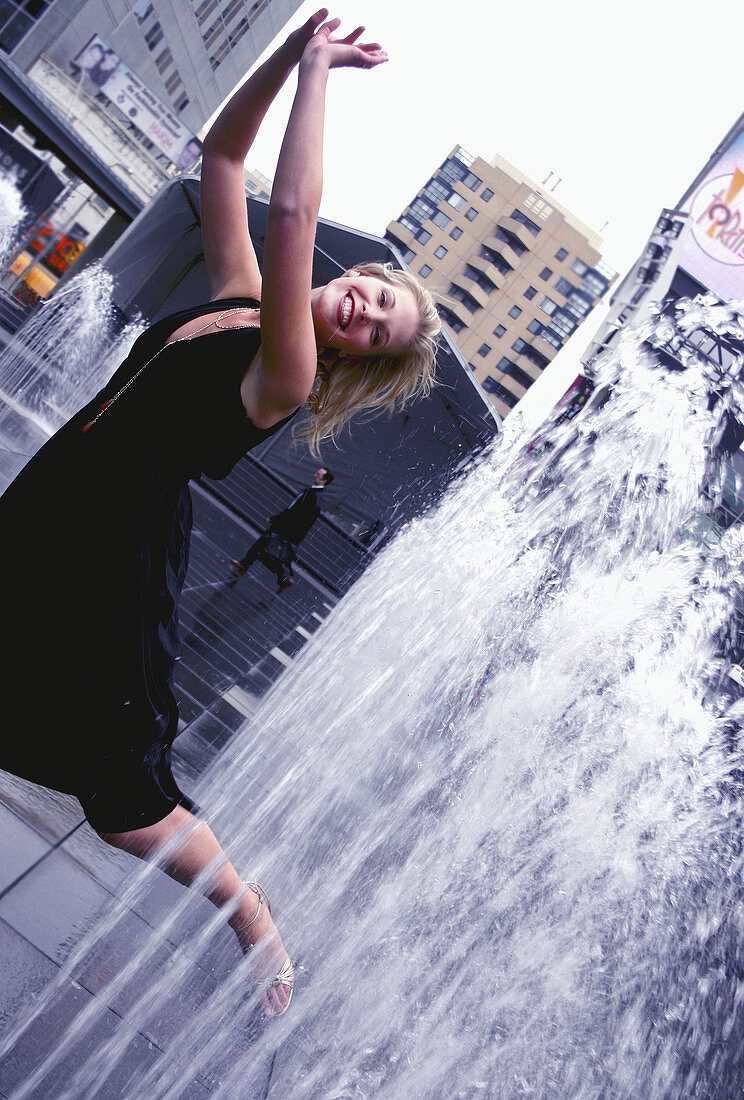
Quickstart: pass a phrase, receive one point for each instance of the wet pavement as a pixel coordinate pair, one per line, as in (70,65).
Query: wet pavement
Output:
(58,880)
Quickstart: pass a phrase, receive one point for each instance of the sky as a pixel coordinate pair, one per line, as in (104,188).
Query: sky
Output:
(624,103)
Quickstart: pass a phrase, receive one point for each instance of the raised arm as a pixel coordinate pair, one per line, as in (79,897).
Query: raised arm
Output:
(232,268)
(286,372)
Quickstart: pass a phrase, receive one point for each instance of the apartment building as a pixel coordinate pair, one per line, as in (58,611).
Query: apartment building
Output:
(514,271)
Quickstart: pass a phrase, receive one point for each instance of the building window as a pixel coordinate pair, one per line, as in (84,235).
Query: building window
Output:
(472,181)
(579,267)
(181,103)
(545,273)
(163,60)
(499,331)
(425,271)
(538,206)
(562,324)
(421,209)
(441,219)
(455,233)
(551,338)
(529,225)
(578,305)
(563,286)
(174,81)
(484,350)
(453,171)
(548,305)
(500,391)
(440,252)
(408,255)
(535,357)
(487,194)
(471,214)
(507,367)
(514,311)
(535,328)
(154,36)
(594,285)
(437,192)
(520,345)
(205,9)
(561,254)
(457,200)
(530,293)
(219,56)
(238,31)
(423,236)
(14,23)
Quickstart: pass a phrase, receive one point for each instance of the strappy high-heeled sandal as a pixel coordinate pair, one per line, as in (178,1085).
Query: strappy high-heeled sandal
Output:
(286,975)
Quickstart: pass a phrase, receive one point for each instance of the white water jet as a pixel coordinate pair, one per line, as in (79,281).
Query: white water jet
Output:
(66,350)
(507,852)
(12,213)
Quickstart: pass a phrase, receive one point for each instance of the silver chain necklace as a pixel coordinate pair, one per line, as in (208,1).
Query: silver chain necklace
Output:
(182,339)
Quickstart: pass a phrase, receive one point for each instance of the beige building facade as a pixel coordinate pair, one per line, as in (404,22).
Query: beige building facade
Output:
(515,273)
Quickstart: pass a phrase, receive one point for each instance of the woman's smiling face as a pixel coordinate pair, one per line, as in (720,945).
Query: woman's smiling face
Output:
(362,315)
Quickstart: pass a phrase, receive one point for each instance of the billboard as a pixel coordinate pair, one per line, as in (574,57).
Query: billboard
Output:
(714,251)
(104,68)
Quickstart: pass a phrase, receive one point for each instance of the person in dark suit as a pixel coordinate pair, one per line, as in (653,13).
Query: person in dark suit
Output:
(277,546)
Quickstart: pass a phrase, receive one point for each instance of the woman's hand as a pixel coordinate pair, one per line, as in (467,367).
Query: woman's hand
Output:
(298,39)
(342,52)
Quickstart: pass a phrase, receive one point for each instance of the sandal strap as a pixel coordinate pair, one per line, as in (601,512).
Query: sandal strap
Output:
(286,976)
(262,897)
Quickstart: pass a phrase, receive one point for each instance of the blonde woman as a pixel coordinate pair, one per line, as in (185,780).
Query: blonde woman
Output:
(110,491)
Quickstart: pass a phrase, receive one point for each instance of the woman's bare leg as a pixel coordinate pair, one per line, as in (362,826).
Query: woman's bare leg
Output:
(184,859)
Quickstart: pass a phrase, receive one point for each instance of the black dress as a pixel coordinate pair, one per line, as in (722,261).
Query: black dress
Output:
(94,550)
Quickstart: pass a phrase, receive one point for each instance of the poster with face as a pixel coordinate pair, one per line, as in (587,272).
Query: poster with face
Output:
(104,68)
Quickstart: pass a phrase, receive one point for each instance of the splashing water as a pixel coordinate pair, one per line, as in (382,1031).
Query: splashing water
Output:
(66,350)
(506,848)
(11,215)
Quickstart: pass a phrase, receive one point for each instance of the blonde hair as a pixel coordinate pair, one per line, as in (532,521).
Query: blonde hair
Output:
(349,384)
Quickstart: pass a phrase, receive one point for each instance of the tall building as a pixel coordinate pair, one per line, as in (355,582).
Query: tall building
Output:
(188,54)
(516,273)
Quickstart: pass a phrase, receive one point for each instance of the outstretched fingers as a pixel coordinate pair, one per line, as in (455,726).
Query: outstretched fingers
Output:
(356,33)
(329,27)
(343,52)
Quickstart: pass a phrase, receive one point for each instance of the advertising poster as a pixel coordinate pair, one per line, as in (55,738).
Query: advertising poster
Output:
(104,68)
(714,252)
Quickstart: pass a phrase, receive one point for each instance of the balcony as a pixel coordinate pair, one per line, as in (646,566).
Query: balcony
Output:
(460,310)
(527,365)
(480,263)
(510,225)
(464,283)
(506,249)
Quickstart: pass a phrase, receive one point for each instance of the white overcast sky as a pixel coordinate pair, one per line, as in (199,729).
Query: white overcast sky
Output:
(623,101)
